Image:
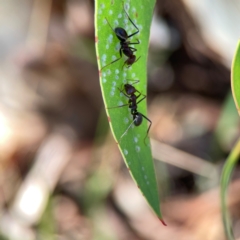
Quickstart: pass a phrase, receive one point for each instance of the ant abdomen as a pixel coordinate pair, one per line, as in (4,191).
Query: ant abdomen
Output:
(137,119)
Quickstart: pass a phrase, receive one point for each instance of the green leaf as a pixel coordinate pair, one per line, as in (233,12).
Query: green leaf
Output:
(225,179)
(228,124)
(137,155)
(235,78)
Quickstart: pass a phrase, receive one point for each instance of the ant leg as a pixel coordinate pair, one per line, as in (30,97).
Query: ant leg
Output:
(120,51)
(140,99)
(122,91)
(148,127)
(140,94)
(118,106)
(134,42)
(127,129)
(110,63)
(133,49)
(131,22)
(137,59)
(133,82)
(125,64)
(110,25)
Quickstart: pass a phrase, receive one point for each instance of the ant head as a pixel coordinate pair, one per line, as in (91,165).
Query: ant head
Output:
(129,89)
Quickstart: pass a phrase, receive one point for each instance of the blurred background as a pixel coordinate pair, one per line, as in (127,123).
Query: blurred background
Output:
(61,173)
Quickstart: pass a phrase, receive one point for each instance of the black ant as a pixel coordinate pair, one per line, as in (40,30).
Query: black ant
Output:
(125,48)
(130,91)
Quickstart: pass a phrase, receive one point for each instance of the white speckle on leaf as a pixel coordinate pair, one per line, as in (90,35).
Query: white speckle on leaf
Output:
(125,151)
(110,38)
(137,148)
(133,75)
(110,12)
(112,93)
(117,47)
(117,71)
(104,21)
(126,6)
(114,83)
(104,74)
(126,120)
(132,28)
(133,9)
(104,80)
(119,15)
(102,5)
(116,77)
(107,46)
(145,176)
(109,72)
(120,103)
(148,183)
(114,57)
(116,23)
(143,168)
(99,11)
(124,74)
(135,139)
(104,57)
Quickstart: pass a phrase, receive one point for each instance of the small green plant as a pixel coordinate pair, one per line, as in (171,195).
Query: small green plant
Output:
(235,153)
(134,147)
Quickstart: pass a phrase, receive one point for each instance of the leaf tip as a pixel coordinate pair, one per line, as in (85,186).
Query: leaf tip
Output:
(162,221)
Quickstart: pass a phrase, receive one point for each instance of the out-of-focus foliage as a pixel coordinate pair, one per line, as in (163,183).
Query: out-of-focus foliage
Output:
(235,78)
(235,152)
(226,176)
